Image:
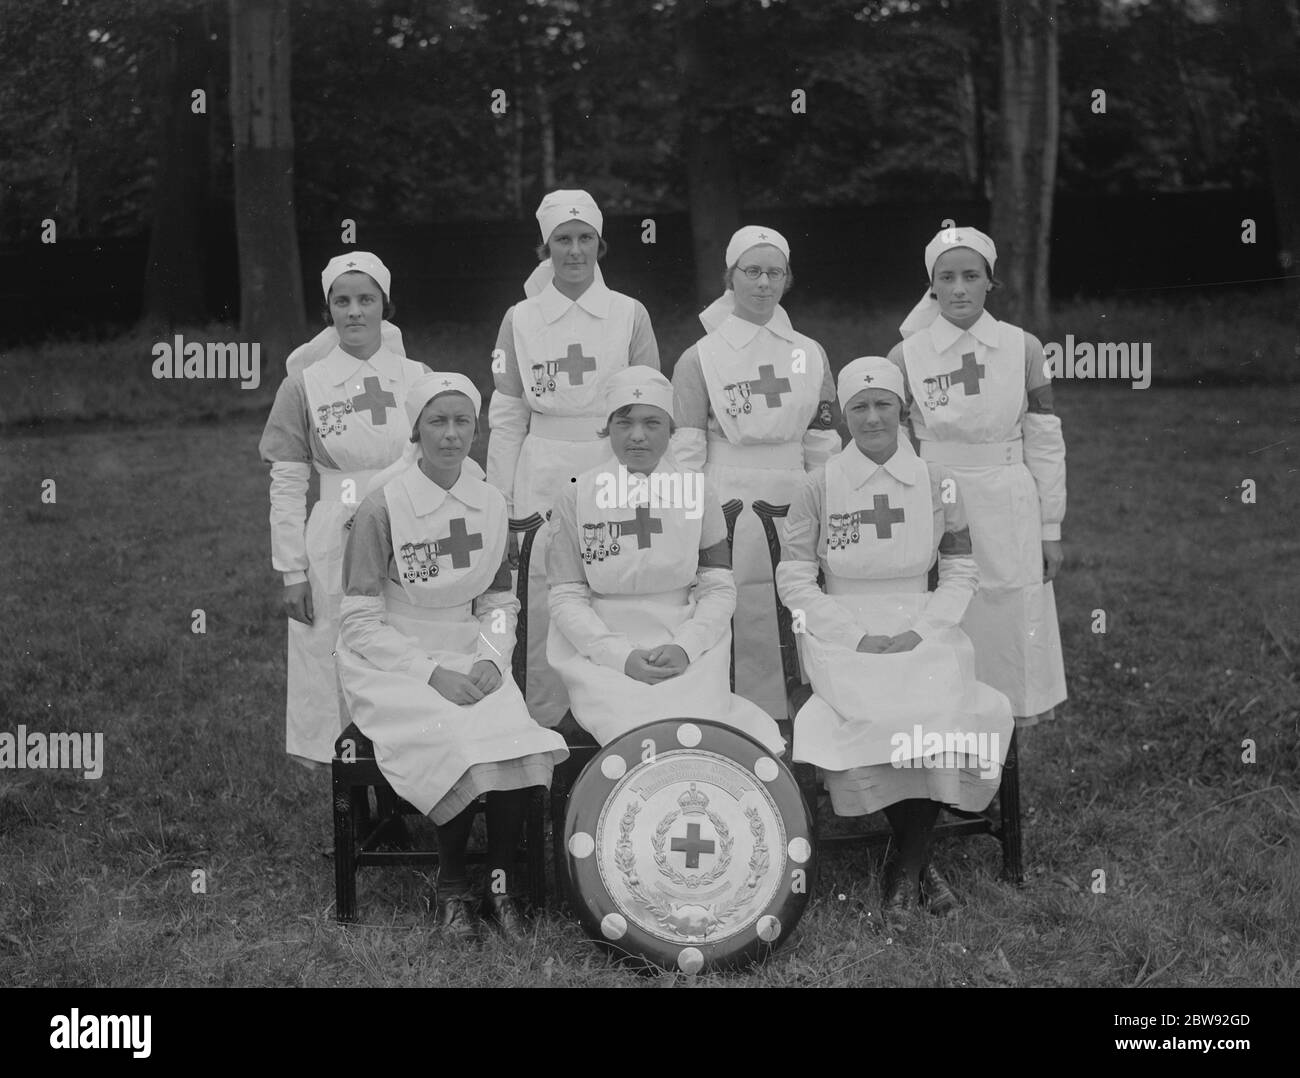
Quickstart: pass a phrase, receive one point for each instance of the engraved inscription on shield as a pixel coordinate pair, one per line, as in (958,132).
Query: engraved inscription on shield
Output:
(691,846)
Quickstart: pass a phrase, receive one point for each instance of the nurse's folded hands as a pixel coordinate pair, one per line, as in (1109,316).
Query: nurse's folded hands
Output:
(486,676)
(902,642)
(296,602)
(671,658)
(888,645)
(458,688)
(875,645)
(640,668)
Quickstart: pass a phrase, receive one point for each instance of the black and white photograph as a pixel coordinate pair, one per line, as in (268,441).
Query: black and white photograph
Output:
(652,493)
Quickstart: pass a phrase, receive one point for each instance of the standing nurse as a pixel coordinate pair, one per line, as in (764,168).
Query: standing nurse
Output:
(755,407)
(981,404)
(554,352)
(342,414)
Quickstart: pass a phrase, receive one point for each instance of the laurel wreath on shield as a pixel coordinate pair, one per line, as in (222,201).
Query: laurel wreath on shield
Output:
(695,879)
(759,862)
(625,862)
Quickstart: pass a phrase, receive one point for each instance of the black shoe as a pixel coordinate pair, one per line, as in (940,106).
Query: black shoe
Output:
(899,898)
(455,916)
(936,894)
(504,914)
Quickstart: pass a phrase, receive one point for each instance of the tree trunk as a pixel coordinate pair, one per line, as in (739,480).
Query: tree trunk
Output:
(971,128)
(546,136)
(270,274)
(69,202)
(174,286)
(712,177)
(1273,37)
(1025,168)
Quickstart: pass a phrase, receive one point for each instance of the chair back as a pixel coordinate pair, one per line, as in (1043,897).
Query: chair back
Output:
(731,512)
(769,514)
(526,529)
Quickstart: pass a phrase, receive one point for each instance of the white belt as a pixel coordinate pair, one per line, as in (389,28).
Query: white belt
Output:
(395,599)
(973,454)
(849,585)
(331,485)
(565,428)
(672,597)
(770,456)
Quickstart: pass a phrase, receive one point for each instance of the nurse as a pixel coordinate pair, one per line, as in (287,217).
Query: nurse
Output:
(897,720)
(641,591)
(555,350)
(980,402)
(427,630)
(341,415)
(755,405)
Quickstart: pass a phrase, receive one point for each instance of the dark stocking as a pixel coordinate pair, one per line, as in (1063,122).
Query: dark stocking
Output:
(912,821)
(506,812)
(453,838)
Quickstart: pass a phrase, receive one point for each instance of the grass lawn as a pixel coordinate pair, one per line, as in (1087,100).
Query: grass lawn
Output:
(1248,339)
(1141,776)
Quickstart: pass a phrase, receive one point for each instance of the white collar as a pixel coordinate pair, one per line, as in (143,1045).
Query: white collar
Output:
(427,497)
(554,304)
(740,333)
(904,465)
(339,366)
(943,334)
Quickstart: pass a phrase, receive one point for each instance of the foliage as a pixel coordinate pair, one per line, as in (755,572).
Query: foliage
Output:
(393,120)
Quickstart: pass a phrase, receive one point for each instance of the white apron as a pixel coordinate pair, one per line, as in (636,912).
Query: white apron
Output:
(760,458)
(423,742)
(643,592)
(880,544)
(973,402)
(362,425)
(563,365)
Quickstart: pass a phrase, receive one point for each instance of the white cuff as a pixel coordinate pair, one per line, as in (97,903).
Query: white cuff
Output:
(289,516)
(508,419)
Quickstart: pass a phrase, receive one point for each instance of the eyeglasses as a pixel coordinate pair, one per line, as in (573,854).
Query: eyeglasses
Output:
(754,273)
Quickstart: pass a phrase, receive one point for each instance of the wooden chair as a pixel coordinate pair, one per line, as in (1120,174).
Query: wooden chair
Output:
(380,839)
(1005,826)
(582,746)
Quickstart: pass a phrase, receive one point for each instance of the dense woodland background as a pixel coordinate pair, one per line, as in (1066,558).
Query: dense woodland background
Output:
(380,111)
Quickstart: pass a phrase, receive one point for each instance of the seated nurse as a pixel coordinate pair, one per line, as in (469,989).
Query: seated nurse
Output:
(641,590)
(897,720)
(424,646)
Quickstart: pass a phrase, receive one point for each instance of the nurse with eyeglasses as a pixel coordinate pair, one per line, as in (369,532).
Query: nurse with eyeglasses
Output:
(756,409)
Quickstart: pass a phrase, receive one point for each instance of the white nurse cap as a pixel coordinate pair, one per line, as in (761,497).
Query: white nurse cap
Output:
(638,385)
(868,372)
(428,386)
(356,262)
(561,206)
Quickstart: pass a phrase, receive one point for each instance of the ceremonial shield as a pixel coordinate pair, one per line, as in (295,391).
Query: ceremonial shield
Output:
(688,846)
